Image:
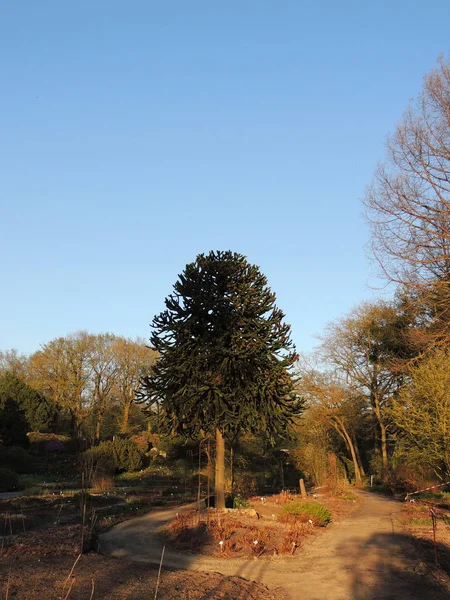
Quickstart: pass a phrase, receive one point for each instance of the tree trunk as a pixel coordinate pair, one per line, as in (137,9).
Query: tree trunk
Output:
(232,469)
(382,426)
(303,489)
(281,473)
(220,470)
(98,426)
(73,423)
(125,418)
(342,430)
(358,456)
(384,450)
(355,462)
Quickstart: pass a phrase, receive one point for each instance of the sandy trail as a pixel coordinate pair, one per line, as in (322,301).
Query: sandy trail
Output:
(367,556)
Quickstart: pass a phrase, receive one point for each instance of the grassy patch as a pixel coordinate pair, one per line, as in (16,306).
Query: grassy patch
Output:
(422,521)
(317,512)
(344,495)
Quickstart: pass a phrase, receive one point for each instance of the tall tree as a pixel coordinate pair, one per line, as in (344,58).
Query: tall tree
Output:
(408,203)
(13,362)
(62,371)
(421,413)
(133,360)
(360,348)
(335,406)
(225,355)
(102,362)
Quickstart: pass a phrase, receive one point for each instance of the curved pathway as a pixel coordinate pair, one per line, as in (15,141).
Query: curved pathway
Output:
(367,556)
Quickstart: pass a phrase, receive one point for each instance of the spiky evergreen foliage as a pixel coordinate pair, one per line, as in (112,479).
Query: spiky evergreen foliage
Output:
(225,352)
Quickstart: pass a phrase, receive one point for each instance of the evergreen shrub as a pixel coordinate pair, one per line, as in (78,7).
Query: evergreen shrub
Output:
(127,456)
(112,457)
(99,460)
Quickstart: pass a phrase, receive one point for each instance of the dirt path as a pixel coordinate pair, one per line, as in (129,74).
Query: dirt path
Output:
(360,558)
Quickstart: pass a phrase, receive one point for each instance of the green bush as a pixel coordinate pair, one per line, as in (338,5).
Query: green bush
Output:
(317,512)
(16,459)
(127,455)
(8,480)
(99,460)
(113,457)
(239,502)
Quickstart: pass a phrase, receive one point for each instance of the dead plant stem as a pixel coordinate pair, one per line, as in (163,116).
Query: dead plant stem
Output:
(159,572)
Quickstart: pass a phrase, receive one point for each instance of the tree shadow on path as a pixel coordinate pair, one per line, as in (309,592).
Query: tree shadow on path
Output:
(389,566)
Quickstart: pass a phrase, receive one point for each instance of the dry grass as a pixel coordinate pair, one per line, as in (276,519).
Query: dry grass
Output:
(102,483)
(229,535)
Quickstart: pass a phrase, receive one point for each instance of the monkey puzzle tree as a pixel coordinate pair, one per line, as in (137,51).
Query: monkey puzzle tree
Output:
(225,355)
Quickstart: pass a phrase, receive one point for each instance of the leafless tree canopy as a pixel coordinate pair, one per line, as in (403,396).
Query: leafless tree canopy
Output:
(408,203)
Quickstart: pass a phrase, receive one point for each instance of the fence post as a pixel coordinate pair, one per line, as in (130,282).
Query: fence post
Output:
(303,489)
(433,520)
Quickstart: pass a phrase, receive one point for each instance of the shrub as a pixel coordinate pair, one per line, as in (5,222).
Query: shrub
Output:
(127,456)
(317,512)
(16,459)
(99,461)
(239,502)
(142,441)
(8,480)
(109,458)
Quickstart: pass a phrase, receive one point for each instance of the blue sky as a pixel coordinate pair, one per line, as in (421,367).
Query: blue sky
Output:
(138,134)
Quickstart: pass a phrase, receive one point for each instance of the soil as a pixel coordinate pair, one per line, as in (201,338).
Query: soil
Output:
(113,579)
(262,529)
(364,556)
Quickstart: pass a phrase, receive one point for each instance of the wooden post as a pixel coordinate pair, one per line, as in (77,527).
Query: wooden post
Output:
(220,471)
(303,489)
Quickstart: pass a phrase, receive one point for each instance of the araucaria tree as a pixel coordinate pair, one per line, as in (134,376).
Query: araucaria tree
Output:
(225,356)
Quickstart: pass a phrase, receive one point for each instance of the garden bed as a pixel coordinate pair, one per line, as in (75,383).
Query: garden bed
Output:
(267,526)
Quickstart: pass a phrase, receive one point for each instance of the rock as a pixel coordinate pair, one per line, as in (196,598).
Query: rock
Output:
(251,512)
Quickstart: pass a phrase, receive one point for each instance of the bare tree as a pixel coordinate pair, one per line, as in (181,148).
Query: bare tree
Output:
(408,203)
(133,360)
(332,405)
(358,347)
(13,362)
(62,371)
(104,368)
